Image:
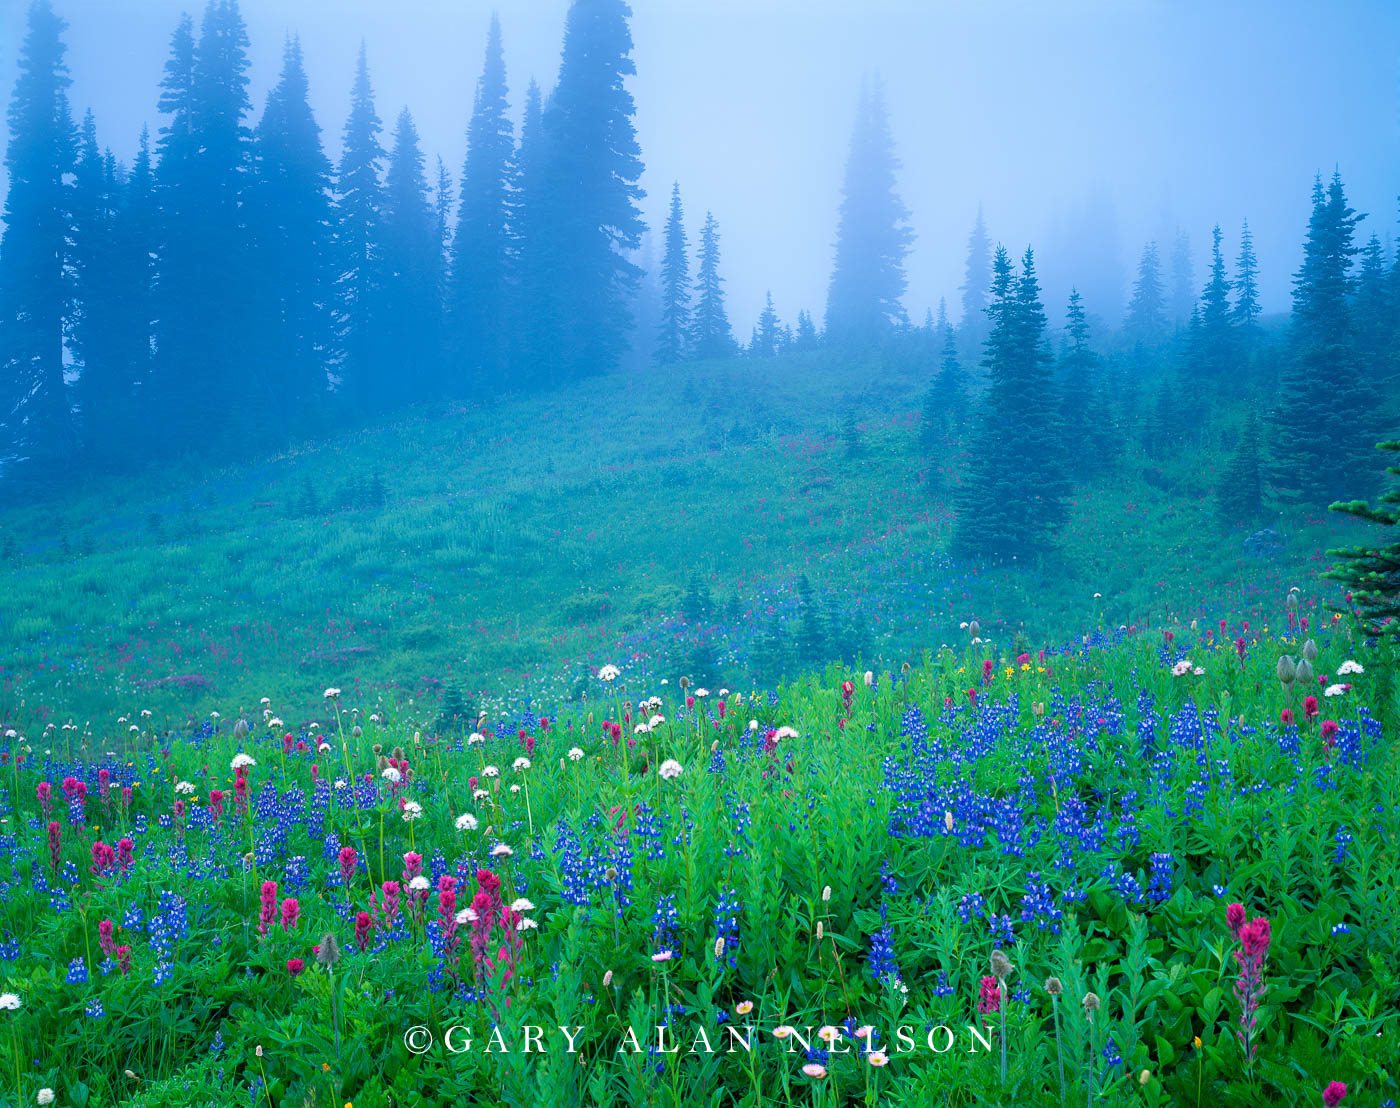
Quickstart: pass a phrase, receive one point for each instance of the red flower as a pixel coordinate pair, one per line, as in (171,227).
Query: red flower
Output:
(1333,1094)
(1310,707)
(295,966)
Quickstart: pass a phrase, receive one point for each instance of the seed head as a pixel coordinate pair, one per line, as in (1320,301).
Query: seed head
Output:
(328,953)
(1001,965)
(1091,1004)
(1054,986)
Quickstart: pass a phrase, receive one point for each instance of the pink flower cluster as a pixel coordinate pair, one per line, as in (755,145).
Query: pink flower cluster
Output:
(1254,937)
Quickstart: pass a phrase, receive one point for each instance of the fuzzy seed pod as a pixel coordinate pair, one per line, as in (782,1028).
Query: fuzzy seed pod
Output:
(1287,671)
(1091,1004)
(328,953)
(1310,650)
(1000,965)
(1303,672)
(1053,986)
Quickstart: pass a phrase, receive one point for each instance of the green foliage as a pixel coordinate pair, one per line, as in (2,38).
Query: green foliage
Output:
(1371,573)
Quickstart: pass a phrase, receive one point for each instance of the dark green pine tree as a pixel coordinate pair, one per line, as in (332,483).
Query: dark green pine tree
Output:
(590,213)
(1144,322)
(412,270)
(365,380)
(1371,574)
(291,204)
(675,287)
(1014,499)
(710,334)
(479,278)
(768,332)
(1328,407)
(1246,309)
(35,416)
(864,299)
(1218,354)
(1239,498)
(977,279)
(202,353)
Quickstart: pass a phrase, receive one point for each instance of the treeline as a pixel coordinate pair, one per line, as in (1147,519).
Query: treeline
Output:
(231,287)
(1316,398)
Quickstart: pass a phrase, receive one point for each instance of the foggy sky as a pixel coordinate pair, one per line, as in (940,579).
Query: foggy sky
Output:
(1083,127)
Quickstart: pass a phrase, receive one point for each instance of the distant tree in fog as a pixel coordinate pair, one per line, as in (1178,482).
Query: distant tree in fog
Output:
(480,277)
(1144,320)
(710,334)
(864,299)
(675,287)
(977,277)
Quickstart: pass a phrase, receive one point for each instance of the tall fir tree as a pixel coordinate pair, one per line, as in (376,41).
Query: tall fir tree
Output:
(673,333)
(1089,434)
(1145,320)
(1246,308)
(480,275)
(412,279)
(1014,499)
(1374,310)
(768,333)
(291,215)
(364,379)
(950,400)
(865,297)
(35,414)
(109,319)
(589,205)
(532,308)
(1217,354)
(710,335)
(1183,281)
(207,256)
(977,279)
(1327,411)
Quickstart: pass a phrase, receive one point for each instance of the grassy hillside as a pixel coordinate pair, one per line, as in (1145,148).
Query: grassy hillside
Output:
(503,551)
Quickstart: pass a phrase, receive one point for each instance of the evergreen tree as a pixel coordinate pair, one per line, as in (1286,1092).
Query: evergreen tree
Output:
(534,307)
(198,392)
(977,279)
(1240,497)
(411,274)
(1371,574)
(1217,336)
(1014,498)
(675,287)
(1374,312)
(479,284)
(1246,309)
(35,420)
(806,332)
(92,312)
(1144,322)
(1183,291)
(872,236)
(810,643)
(710,335)
(292,217)
(767,333)
(1327,405)
(1089,434)
(950,384)
(359,250)
(589,204)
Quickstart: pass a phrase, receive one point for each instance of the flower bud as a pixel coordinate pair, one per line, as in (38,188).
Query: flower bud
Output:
(1287,672)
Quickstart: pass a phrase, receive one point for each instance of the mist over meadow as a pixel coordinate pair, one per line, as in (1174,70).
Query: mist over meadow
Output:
(590,554)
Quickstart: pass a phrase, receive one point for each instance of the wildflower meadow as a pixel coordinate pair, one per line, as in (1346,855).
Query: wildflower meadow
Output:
(1144,868)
